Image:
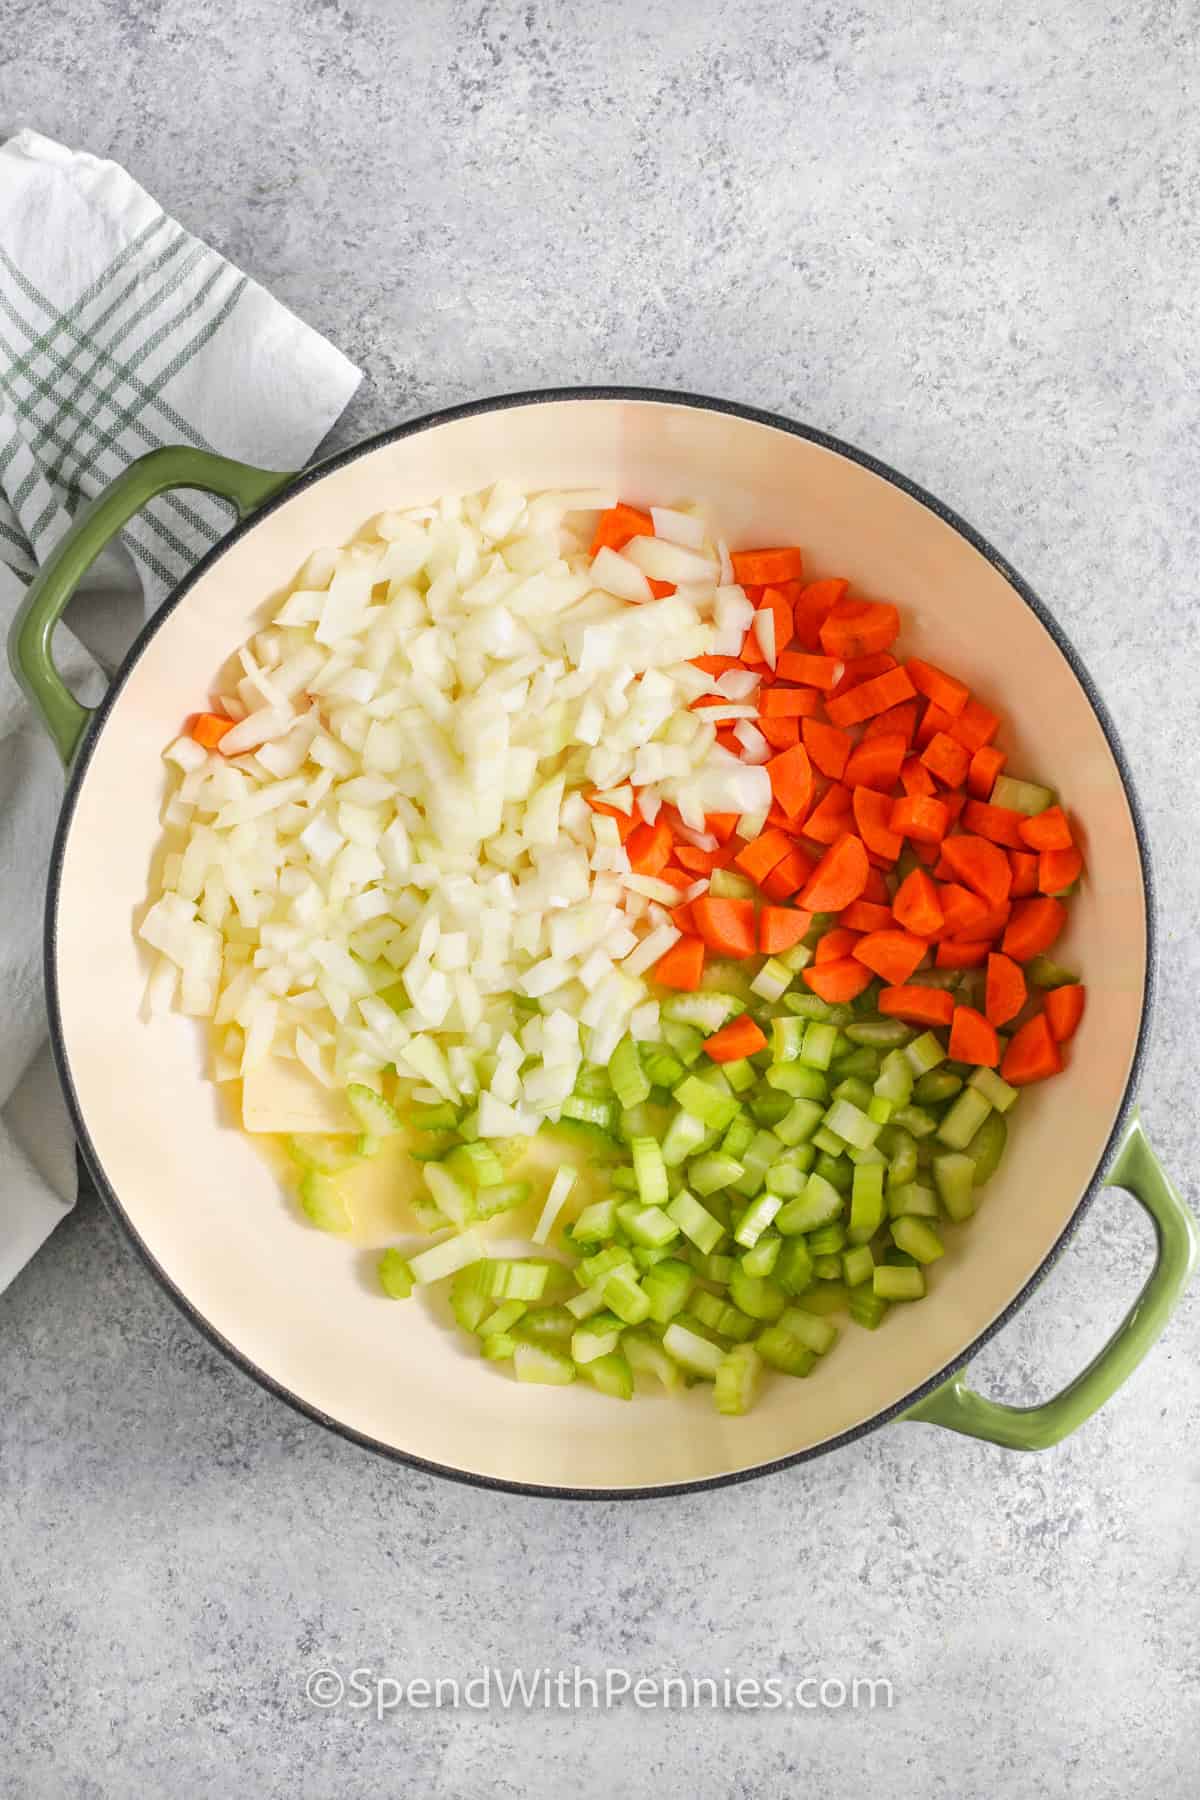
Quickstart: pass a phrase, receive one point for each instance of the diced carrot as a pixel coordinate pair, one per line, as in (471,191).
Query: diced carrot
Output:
(699,862)
(760,857)
(969,955)
(766,568)
(874,696)
(917,1005)
(811,606)
(827,747)
(860,628)
(838,878)
(728,742)
(740,1038)
(986,764)
(1049,830)
(683,964)
(716,665)
(894,955)
(830,816)
(919,818)
(902,718)
(972,1039)
(933,720)
(791,703)
(975,726)
(833,945)
(953,799)
(776,602)
(999,824)
(618,525)
(660,589)
(916,905)
(1057,869)
(993,922)
(948,760)
(1033,928)
(649,848)
(873,816)
(1064,1009)
(781,928)
(626,822)
(791,780)
(789,875)
(962,911)
(936,685)
(875,763)
(981,866)
(926,854)
(861,669)
(915,778)
(1032,1054)
(783,821)
(1024,865)
(209,728)
(721,825)
(1006,992)
(781,734)
(726,925)
(822,672)
(681,917)
(838,982)
(753,591)
(876,890)
(866,915)
(676,878)
(751,651)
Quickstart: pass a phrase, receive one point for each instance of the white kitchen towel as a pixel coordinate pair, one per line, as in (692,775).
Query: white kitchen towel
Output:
(118,332)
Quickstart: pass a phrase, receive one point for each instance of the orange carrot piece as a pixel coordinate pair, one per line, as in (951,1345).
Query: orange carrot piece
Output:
(837,982)
(873,816)
(975,726)
(835,945)
(917,1005)
(933,720)
(767,568)
(1033,928)
(676,878)
(981,866)
(986,764)
(876,890)
(789,875)
(760,857)
(649,848)
(861,669)
(830,816)
(721,826)
(618,525)
(1064,1009)
(916,905)
(866,915)
(728,742)
(916,780)
(209,728)
(872,697)
(627,823)
(876,762)
(962,911)
(919,818)
(726,925)
(698,862)
(973,1039)
(1005,993)
(969,955)
(1024,865)
(936,685)
(791,780)
(683,964)
(822,672)
(860,628)
(993,922)
(781,928)
(1032,1054)
(1057,869)
(893,955)
(776,602)
(902,718)
(811,606)
(828,748)
(947,759)
(781,734)
(999,824)
(953,799)
(791,703)
(751,652)
(838,878)
(716,665)
(1049,830)
(740,1038)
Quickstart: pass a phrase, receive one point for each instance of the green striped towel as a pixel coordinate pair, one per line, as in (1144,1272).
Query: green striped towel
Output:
(119,331)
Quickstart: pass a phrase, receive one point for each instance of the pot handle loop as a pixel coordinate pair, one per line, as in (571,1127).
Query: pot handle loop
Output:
(959,1408)
(32,633)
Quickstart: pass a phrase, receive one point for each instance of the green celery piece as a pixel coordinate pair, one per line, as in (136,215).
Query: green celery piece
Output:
(708,1308)
(767,1108)
(827,1268)
(964,1118)
(816,1334)
(395,1276)
(852,1089)
(645,1354)
(323,1203)
(827,1141)
(794,1266)
(1027,797)
(443,1117)
(936,1087)
(706,1010)
(900,1147)
(918,1238)
(623,1293)
(866,1308)
(736,1384)
(772,980)
(762,1258)
(911,1198)
(491,1201)
(856,1065)
(663,1069)
(596,1223)
(593,1271)
(797,958)
(611,1375)
(696,1223)
(738,1138)
(757,1216)
(477,1165)
(326,1155)
(539,1363)
(866,1203)
(741,1075)
(713,1109)
(377,1118)
(954,1178)
(851,1124)
(783,1351)
(879,1034)
(799,1123)
(858,1265)
(595,1337)
(759,1296)
(889,1283)
(707,1174)
(787,1038)
(819,1205)
(499,1348)
(471,1295)
(630,1082)
(516,1278)
(794,1080)
(544,1325)
(716,1268)
(993,1088)
(683,1040)
(838,1170)
(692,1352)
(1042,972)
(645,1257)
(880,1110)
(502,1319)
(987,1147)
(827,1240)
(727,884)
(595,1083)
(586,1111)
(762,1150)
(623,1179)
(650,1170)
(583,1304)
(452,1197)
(895,1079)
(667,1287)
(827,1297)
(785,1180)
(648,1227)
(820,1041)
(924,1053)
(915,1120)
(428,1216)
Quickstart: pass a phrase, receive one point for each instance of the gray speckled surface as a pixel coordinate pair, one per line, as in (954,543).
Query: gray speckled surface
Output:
(964,238)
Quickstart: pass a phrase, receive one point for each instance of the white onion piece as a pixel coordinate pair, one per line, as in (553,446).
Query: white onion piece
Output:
(616,574)
(678,527)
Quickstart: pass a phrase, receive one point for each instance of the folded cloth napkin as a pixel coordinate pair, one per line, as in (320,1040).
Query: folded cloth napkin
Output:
(118,332)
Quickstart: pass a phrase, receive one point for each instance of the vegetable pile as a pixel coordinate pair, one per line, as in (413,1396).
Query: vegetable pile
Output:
(547,821)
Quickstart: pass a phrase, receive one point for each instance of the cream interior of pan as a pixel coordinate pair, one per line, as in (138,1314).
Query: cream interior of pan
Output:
(302,1307)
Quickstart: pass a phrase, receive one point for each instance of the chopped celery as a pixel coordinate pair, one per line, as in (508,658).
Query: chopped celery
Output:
(645,1354)
(471,1295)
(539,1363)
(987,1147)
(648,1226)
(706,1010)
(666,1287)
(740,1075)
(556,1199)
(428,1216)
(596,1084)
(499,1348)
(918,1238)
(852,1089)
(584,1111)
(713,1109)
(515,1278)
(624,1294)
(695,1222)
(709,1173)
(890,1283)
(990,1085)
(757,1216)
(915,1120)
(395,1276)
(794,1266)
(693,1352)
(819,1044)
(324,1203)
(762,1150)
(762,1258)
(900,1148)
(866,1308)
(827,1240)
(827,1297)
(738,1374)
(797,1082)
(611,1375)
(716,1267)
(491,1201)
(772,981)
(593,1271)
(846,1121)
(787,1039)
(596,1337)
(954,1178)
(879,1034)
(924,1053)
(646,1256)
(1045,973)
(452,1197)
(630,1082)
(894,1082)
(545,1325)
(936,1087)
(803,1117)
(819,1204)
(623,1179)
(858,1265)
(684,1136)
(757,1295)
(816,1334)
(827,1268)
(584,1304)
(327,1155)
(650,1170)
(964,1118)
(785,1179)
(738,1138)
(727,884)
(783,1350)
(477,1165)
(861,1065)
(434,1118)
(684,1040)
(911,1197)
(866,1203)
(768,1108)
(797,958)
(503,1318)
(809,1006)
(1027,797)
(828,1141)
(838,1171)
(663,1069)
(595,1223)
(880,1110)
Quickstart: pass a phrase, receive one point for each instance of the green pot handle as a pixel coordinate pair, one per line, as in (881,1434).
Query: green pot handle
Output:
(31,637)
(957,1407)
